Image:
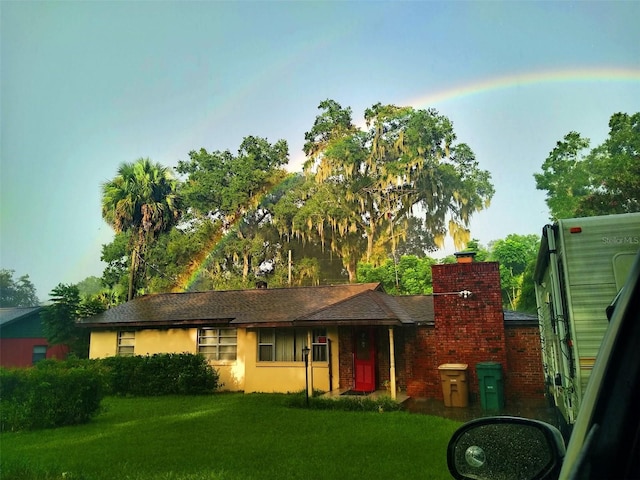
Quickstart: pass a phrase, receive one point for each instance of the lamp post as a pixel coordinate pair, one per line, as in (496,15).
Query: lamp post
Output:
(305,353)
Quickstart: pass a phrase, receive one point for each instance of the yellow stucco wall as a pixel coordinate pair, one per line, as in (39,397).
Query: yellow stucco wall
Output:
(176,340)
(232,372)
(147,342)
(287,376)
(103,344)
(243,374)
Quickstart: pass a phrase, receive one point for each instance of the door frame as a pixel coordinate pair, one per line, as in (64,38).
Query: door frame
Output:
(364,369)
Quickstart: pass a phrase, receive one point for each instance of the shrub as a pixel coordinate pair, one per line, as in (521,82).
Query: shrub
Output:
(160,374)
(56,393)
(48,397)
(360,403)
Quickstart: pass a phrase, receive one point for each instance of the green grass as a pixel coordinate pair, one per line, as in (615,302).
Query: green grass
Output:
(230,437)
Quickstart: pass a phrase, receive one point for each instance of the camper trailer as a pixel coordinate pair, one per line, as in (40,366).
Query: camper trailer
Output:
(581,266)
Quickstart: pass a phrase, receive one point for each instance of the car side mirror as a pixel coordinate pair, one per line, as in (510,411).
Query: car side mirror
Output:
(496,448)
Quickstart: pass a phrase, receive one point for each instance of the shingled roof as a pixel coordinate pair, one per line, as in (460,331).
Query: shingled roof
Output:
(351,304)
(328,305)
(512,317)
(10,315)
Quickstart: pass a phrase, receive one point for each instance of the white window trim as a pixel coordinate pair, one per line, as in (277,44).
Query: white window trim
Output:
(123,349)
(217,334)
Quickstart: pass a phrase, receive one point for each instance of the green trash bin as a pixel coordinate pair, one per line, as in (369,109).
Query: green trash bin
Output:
(491,385)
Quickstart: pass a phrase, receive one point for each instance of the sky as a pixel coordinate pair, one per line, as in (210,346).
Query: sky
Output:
(86,86)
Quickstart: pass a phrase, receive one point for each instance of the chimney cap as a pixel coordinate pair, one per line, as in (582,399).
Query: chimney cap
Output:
(465,257)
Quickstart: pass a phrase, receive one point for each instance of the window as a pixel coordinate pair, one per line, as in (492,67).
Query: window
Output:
(39,353)
(281,344)
(218,343)
(320,342)
(126,343)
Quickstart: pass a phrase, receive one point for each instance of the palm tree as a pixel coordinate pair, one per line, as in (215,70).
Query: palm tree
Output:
(143,200)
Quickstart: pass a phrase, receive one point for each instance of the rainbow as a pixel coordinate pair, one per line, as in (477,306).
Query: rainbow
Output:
(581,75)
(191,273)
(505,82)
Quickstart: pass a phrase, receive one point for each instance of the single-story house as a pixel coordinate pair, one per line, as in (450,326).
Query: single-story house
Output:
(358,337)
(22,341)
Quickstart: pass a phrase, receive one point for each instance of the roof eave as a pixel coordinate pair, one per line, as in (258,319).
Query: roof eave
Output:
(349,322)
(156,324)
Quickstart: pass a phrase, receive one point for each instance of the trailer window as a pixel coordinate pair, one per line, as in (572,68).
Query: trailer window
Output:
(621,267)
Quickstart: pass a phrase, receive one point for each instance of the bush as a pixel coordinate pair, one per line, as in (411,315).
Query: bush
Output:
(160,374)
(55,393)
(48,397)
(360,403)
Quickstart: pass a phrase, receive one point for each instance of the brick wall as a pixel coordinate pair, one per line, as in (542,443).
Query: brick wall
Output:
(469,330)
(423,379)
(345,359)
(383,356)
(525,377)
(466,330)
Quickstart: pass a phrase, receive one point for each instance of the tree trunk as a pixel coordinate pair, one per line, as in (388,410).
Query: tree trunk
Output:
(133,268)
(352,271)
(370,238)
(246,263)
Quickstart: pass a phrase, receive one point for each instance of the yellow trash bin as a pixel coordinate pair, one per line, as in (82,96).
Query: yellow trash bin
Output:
(454,384)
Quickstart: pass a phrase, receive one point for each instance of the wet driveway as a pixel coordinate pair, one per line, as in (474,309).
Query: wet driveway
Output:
(538,409)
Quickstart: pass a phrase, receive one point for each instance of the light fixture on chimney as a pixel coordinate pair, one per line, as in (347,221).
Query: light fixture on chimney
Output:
(461,294)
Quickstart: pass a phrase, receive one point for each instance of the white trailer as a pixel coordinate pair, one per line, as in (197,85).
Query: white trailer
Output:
(581,266)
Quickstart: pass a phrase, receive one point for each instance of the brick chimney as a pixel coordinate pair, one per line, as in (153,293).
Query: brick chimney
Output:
(469,321)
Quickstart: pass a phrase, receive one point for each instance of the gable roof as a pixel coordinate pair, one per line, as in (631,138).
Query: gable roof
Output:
(418,307)
(247,308)
(349,304)
(371,307)
(10,315)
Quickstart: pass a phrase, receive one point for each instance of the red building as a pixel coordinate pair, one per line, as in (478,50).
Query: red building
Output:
(22,341)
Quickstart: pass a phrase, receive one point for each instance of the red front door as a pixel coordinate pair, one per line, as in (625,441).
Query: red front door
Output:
(364,360)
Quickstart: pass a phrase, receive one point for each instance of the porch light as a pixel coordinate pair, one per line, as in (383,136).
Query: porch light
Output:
(305,354)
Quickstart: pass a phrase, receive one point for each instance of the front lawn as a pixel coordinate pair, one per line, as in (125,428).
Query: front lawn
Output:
(229,437)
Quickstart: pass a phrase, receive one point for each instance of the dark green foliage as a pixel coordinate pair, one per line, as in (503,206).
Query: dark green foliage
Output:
(601,181)
(410,275)
(527,299)
(160,374)
(143,200)
(418,240)
(48,397)
(59,318)
(225,184)
(90,286)
(514,253)
(55,393)
(16,293)
(116,274)
(346,403)
(482,254)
